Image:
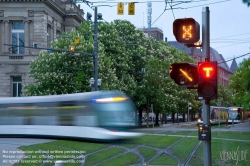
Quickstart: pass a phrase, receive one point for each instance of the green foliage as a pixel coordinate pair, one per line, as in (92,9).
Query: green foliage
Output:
(247,2)
(123,51)
(225,95)
(240,84)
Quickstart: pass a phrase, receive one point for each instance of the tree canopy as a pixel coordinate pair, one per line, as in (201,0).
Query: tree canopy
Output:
(240,84)
(123,50)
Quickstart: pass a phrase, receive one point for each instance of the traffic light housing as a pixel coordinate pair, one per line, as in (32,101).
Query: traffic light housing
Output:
(184,74)
(189,106)
(72,48)
(207,80)
(186,30)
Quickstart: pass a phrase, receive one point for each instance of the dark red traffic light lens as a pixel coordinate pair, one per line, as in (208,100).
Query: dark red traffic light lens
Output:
(206,89)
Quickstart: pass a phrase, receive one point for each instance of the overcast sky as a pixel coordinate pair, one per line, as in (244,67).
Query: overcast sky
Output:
(229,20)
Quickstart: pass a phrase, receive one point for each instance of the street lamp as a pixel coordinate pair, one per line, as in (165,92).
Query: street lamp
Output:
(99,82)
(92,81)
(97,17)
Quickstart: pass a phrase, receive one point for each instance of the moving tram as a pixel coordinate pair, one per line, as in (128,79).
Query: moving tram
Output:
(100,115)
(235,114)
(217,115)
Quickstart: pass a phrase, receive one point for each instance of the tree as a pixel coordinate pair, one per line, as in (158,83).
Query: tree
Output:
(247,2)
(240,84)
(62,72)
(123,51)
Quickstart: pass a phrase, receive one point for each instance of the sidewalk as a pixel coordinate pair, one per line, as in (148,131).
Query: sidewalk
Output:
(171,125)
(193,126)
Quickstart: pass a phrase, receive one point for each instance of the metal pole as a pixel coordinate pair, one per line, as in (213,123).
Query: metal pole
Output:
(206,103)
(95,51)
(219,122)
(188,111)
(219,103)
(152,115)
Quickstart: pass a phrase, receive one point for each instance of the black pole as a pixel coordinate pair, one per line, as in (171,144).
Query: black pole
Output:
(206,103)
(95,51)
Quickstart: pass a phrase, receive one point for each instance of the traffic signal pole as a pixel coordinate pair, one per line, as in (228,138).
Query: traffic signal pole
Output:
(95,51)
(206,103)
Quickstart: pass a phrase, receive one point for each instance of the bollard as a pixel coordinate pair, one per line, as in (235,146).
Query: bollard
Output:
(226,122)
(233,122)
(59,163)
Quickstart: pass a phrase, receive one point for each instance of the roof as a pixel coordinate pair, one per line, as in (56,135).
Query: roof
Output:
(233,66)
(180,46)
(215,56)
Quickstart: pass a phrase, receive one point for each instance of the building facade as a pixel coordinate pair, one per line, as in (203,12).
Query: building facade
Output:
(24,23)
(154,32)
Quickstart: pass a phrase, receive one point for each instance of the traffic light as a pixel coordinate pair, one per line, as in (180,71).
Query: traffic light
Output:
(186,30)
(34,45)
(189,106)
(207,80)
(184,74)
(72,48)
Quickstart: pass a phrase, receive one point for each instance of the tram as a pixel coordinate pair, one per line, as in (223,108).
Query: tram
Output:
(217,115)
(100,115)
(235,114)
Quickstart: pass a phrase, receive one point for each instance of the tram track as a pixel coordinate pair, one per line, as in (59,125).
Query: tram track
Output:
(84,157)
(148,143)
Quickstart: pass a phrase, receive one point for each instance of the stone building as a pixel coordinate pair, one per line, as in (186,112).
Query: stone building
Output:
(23,23)
(154,32)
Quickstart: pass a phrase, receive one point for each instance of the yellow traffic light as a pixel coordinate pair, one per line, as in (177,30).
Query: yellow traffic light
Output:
(72,48)
(186,30)
(120,8)
(131,8)
(184,74)
(76,41)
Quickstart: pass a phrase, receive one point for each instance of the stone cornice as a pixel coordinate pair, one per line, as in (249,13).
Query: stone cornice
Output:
(56,5)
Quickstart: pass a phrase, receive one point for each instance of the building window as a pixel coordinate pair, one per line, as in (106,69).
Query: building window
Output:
(17,33)
(17,86)
(49,35)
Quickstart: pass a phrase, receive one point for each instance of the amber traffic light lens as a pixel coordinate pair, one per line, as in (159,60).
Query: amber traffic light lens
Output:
(186,30)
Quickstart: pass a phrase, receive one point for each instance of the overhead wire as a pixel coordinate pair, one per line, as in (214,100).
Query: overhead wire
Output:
(234,58)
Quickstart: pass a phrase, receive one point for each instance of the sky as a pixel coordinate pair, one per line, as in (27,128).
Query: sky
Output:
(229,20)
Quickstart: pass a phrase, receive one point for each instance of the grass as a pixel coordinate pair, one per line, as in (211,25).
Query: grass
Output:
(102,153)
(124,160)
(145,139)
(164,159)
(225,153)
(163,142)
(183,149)
(147,153)
(232,135)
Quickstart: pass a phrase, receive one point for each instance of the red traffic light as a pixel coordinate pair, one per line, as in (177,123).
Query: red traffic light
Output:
(186,30)
(207,69)
(207,80)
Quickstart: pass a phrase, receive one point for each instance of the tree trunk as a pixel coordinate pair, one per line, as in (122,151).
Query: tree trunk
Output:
(147,111)
(156,119)
(140,118)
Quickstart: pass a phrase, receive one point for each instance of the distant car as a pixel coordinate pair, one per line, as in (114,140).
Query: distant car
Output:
(180,117)
(169,118)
